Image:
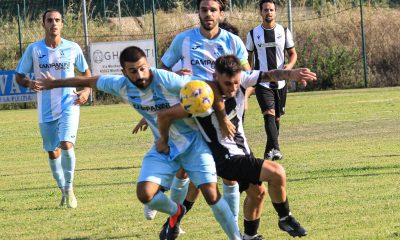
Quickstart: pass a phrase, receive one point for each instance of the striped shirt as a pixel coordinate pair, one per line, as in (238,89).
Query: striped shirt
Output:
(163,92)
(198,53)
(60,63)
(269,47)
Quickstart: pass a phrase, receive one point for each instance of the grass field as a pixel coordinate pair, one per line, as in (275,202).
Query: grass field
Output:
(342,158)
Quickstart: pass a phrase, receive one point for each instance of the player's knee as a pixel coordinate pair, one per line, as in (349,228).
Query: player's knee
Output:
(181,174)
(279,174)
(210,193)
(257,193)
(143,194)
(64,145)
(54,154)
(269,112)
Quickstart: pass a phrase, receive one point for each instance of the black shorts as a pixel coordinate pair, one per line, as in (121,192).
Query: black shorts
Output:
(243,168)
(272,99)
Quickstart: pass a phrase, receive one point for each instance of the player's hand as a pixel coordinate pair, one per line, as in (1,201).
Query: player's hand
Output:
(184,71)
(141,126)
(228,130)
(34,86)
(302,75)
(44,82)
(82,96)
(162,146)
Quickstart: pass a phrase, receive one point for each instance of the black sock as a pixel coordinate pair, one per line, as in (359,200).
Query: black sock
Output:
(251,227)
(188,205)
(282,208)
(271,130)
(277,126)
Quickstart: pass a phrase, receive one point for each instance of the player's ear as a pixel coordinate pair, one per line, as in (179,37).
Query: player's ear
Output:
(123,71)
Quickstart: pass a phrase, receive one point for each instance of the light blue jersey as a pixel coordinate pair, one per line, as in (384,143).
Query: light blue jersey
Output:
(198,53)
(163,92)
(60,62)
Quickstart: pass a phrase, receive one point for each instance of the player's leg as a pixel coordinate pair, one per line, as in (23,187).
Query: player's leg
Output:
(280,104)
(266,101)
(179,189)
(68,130)
(231,194)
(275,175)
(191,196)
(200,166)
(252,209)
(158,171)
(51,142)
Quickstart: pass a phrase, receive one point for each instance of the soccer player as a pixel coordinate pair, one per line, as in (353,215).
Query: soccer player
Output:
(149,90)
(267,43)
(233,158)
(58,110)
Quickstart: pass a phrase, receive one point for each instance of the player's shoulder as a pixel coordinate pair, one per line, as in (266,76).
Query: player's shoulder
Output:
(69,43)
(191,32)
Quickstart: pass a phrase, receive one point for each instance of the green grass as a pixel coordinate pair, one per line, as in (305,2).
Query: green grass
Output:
(342,158)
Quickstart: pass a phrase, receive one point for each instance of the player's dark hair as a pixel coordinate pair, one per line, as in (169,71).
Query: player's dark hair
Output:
(222,4)
(266,1)
(228,64)
(131,54)
(51,10)
(229,27)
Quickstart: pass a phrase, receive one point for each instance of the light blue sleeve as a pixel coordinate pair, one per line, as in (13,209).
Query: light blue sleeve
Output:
(173,53)
(80,61)
(25,65)
(173,82)
(111,84)
(241,51)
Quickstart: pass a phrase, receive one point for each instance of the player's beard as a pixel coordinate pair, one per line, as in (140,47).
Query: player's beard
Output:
(269,19)
(206,26)
(140,83)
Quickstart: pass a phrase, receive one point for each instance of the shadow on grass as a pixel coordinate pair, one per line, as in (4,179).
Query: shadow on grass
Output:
(348,172)
(76,186)
(76,170)
(387,155)
(115,237)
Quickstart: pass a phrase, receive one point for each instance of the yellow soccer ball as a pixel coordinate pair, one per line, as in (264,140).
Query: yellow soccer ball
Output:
(196,97)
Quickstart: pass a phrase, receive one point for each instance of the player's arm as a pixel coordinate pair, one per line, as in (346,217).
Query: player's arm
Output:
(165,118)
(49,82)
(228,129)
(292,58)
(299,74)
(23,80)
(84,94)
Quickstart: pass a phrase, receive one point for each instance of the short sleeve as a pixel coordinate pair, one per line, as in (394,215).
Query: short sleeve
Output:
(80,61)
(250,78)
(249,42)
(241,51)
(25,65)
(173,53)
(111,84)
(289,39)
(174,82)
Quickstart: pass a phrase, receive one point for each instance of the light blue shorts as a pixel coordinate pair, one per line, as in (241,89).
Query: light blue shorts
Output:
(197,162)
(63,129)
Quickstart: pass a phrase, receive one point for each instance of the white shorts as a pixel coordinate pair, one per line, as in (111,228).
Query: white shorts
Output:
(63,129)
(197,162)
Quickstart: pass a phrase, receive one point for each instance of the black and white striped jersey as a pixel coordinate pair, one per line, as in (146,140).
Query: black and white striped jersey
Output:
(268,46)
(234,108)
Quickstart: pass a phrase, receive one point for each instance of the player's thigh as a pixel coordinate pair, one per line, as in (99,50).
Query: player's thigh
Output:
(50,137)
(199,164)
(265,98)
(68,125)
(272,171)
(157,168)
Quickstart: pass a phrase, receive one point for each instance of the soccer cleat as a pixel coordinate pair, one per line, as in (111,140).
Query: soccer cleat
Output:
(276,154)
(62,202)
(71,199)
(149,213)
(291,226)
(256,237)
(171,229)
(268,155)
(164,229)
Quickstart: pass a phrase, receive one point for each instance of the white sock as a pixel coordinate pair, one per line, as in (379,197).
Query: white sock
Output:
(231,195)
(68,164)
